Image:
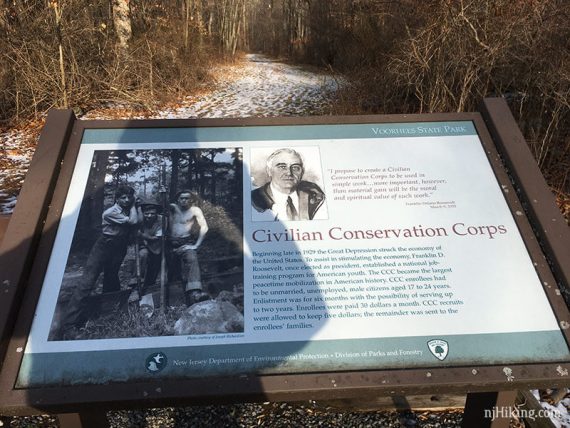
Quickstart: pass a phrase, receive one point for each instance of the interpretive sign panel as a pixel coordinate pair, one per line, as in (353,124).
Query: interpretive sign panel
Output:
(171,262)
(314,248)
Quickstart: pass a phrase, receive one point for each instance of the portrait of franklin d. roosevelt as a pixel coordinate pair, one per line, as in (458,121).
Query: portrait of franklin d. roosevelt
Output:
(286,189)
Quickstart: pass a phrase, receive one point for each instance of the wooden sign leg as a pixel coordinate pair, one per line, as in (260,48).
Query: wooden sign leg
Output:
(89,419)
(4,219)
(489,409)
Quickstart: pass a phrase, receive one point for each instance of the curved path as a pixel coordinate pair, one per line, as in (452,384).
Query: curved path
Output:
(265,88)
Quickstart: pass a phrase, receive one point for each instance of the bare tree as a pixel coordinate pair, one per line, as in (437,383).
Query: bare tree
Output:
(58,29)
(230,24)
(122,22)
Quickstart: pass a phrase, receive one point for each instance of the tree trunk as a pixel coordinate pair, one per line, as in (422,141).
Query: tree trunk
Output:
(213,184)
(199,20)
(174,174)
(238,168)
(122,22)
(93,202)
(186,24)
(57,12)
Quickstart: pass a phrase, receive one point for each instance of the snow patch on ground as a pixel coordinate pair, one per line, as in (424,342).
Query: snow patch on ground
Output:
(263,88)
(16,150)
(558,413)
(267,88)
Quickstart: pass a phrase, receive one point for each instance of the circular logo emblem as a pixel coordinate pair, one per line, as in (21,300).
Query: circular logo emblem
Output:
(156,362)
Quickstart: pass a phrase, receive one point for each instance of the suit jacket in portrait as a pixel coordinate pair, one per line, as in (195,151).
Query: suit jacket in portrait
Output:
(311,198)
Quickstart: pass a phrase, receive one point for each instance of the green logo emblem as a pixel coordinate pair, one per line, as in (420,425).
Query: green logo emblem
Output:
(439,348)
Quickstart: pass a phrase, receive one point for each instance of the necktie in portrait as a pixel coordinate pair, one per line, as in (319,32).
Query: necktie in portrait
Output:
(292,213)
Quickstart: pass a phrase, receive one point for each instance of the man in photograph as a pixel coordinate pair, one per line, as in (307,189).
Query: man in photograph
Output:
(286,196)
(183,256)
(106,256)
(150,248)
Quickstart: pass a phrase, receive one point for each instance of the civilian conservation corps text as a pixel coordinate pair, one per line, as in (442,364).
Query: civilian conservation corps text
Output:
(337,233)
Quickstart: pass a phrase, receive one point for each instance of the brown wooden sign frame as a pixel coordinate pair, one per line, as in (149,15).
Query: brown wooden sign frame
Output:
(26,248)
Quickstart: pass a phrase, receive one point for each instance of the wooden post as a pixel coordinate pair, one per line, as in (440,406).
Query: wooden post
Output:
(533,190)
(18,248)
(90,419)
(4,220)
(535,419)
(489,409)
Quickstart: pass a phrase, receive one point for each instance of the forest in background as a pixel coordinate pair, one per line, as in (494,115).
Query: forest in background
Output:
(400,56)
(214,175)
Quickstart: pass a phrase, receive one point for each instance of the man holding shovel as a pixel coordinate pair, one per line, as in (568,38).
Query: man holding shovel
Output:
(149,252)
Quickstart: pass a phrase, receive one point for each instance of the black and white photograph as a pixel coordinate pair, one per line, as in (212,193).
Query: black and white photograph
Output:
(287,184)
(157,249)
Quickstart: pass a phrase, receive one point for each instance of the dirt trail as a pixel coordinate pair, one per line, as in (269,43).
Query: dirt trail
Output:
(266,88)
(260,87)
